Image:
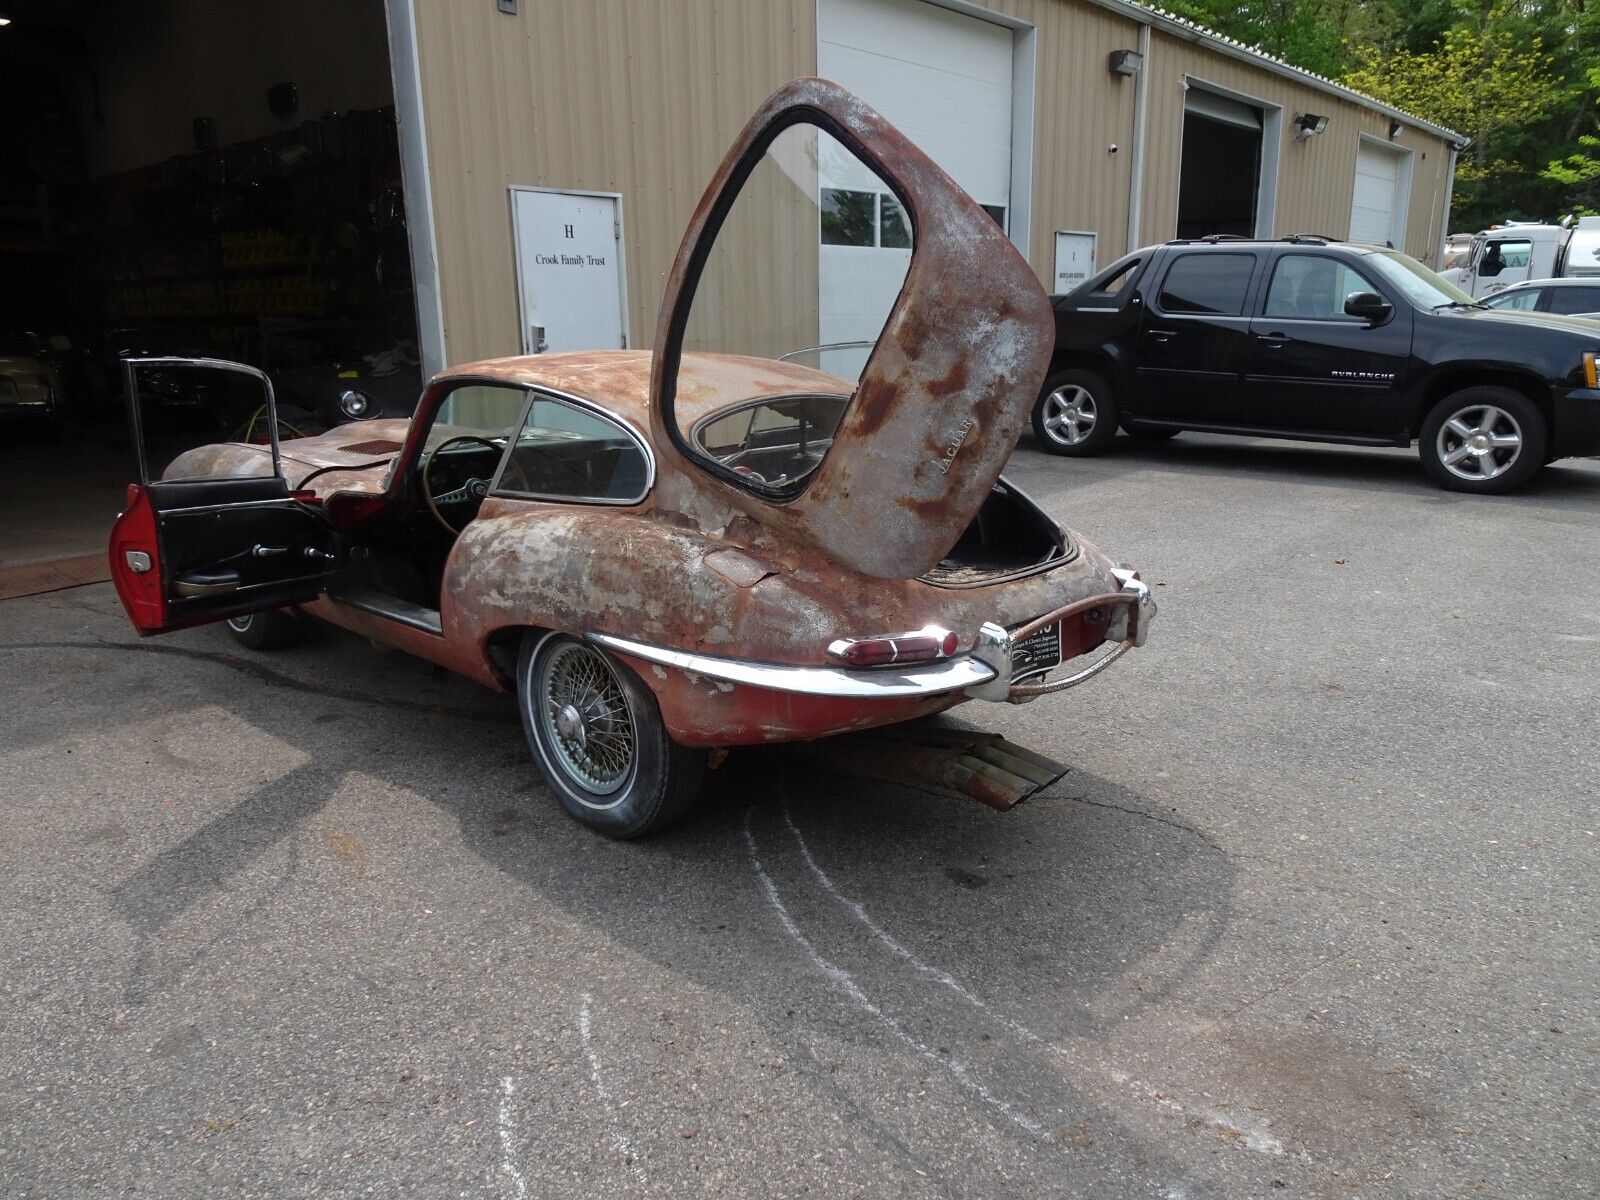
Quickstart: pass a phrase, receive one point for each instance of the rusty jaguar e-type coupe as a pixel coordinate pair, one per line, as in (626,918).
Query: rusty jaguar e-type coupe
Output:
(711,545)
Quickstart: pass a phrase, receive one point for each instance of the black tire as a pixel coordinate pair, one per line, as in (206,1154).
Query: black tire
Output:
(1151,435)
(1485,460)
(1058,414)
(661,778)
(270,630)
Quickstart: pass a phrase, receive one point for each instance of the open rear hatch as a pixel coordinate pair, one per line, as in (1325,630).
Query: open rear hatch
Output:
(906,289)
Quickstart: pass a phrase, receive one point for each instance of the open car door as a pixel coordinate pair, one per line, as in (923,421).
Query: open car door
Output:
(219,534)
(826,231)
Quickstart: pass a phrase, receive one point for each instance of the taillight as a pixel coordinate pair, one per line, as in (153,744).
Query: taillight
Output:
(922,645)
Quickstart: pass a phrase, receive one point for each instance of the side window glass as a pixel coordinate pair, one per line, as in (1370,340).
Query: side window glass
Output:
(1111,285)
(565,452)
(796,288)
(1311,287)
(487,410)
(1571,300)
(1505,255)
(1525,300)
(1207,283)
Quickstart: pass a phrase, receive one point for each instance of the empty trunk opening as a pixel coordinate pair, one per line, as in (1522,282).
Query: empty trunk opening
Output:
(1010,536)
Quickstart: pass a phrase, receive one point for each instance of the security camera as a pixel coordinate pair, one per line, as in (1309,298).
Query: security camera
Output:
(1112,147)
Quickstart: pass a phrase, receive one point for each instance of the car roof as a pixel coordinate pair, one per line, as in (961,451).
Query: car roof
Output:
(1528,283)
(619,380)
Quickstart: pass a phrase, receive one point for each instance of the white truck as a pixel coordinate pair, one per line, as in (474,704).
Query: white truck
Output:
(1517,251)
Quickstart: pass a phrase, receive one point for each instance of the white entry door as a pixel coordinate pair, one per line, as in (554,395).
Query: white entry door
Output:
(569,270)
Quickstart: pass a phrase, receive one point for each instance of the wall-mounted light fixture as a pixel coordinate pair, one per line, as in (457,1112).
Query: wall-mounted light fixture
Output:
(1394,129)
(1125,62)
(1308,124)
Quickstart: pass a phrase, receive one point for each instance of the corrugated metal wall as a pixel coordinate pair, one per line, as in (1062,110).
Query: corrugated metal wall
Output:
(600,95)
(1316,177)
(643,99)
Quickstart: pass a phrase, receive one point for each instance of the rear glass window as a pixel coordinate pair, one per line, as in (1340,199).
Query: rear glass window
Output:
(1573,300)
(767,441)
(1208,283)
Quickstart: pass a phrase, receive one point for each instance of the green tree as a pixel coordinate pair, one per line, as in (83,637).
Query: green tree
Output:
(1480,82)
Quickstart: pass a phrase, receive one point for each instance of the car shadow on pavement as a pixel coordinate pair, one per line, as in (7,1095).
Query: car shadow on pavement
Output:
(997,953)
(1566,481)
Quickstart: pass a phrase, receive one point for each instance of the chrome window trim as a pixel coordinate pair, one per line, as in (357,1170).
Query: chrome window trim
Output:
(626,426)
(868,683)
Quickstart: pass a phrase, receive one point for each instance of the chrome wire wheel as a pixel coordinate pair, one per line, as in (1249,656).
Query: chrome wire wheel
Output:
(1070,414)
(586,719)
(1479,442)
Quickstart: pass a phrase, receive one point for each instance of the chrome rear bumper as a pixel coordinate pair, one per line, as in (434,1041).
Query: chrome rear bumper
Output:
(985,673)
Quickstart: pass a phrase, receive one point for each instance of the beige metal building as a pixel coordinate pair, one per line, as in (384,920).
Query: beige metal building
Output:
(553,149)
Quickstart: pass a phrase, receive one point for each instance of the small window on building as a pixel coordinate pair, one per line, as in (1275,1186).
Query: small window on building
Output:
(848,217)
(564,452)
(894,231)
(997,212)
(1312,288)
(1208,283)
(1572,301)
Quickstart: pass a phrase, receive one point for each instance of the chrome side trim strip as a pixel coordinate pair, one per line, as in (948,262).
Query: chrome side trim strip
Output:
(876,683)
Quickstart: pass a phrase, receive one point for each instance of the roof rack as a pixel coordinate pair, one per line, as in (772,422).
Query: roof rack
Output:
(1214,239)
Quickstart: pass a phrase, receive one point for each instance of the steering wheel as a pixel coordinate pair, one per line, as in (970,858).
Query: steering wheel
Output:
(473,490)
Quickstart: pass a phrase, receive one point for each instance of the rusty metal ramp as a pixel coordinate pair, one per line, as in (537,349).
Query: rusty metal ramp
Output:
(942,758)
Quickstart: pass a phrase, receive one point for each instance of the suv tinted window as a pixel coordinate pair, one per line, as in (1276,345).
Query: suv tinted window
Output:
(1571,300)
(1312,287)
(1207,283)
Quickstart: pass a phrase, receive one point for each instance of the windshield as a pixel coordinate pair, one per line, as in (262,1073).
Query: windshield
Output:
(1421,286)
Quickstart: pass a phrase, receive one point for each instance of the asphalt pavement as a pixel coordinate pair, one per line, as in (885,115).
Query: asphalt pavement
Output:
(1312,914)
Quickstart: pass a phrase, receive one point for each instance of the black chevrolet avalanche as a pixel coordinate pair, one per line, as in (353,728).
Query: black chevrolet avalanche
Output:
(1322,341)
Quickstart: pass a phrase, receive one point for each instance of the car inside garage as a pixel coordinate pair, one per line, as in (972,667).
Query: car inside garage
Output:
(205,178)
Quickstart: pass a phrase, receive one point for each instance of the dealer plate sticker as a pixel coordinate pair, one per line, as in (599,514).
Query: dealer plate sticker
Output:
(1039,651)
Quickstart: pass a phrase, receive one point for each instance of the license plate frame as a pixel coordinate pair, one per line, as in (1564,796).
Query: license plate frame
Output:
(1037,653)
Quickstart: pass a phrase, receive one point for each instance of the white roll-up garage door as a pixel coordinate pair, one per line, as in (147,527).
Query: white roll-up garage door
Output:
(1376,214)
(944,80)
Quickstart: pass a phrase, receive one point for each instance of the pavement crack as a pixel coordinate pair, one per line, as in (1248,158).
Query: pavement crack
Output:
(1150,816)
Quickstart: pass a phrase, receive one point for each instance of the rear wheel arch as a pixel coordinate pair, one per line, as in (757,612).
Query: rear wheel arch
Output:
(501,648)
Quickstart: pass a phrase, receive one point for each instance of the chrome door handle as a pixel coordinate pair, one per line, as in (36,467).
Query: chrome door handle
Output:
(1273,341)
(1161,335)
